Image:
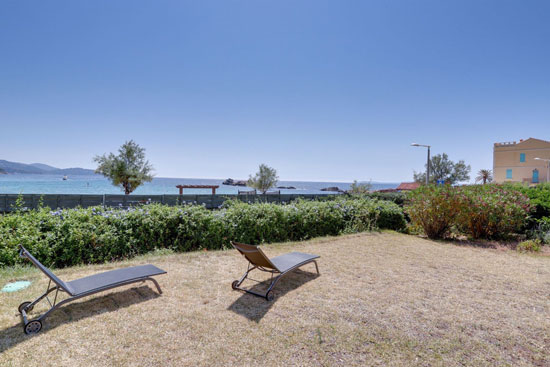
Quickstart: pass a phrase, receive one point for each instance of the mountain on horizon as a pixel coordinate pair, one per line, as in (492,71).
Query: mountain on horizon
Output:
(41,169)
(43,166)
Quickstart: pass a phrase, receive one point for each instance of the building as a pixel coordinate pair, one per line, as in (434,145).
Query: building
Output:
(408,186)
(404,186)
(515,161)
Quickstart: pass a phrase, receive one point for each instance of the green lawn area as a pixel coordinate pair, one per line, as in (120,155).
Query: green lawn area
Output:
(381,299)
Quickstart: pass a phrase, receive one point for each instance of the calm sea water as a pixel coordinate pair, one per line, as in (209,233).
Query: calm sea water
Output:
(54,184)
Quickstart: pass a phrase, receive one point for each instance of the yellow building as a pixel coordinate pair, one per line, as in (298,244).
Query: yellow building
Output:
(515,162)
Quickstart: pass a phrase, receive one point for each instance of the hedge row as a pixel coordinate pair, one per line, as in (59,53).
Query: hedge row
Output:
(95,235)
(398,198)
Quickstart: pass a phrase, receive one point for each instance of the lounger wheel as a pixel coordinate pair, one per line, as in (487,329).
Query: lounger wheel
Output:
(235,284)
(269,296)
(23,305)
(33,327)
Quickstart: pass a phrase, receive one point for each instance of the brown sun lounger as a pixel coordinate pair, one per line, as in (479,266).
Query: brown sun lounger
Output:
(280,265)
(81,287)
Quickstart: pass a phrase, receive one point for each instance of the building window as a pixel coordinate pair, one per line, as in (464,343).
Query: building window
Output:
(509,173)
(535,176)
(522,157)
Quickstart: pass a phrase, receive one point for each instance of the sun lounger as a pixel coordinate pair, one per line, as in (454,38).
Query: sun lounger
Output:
(82,287)
(280,265)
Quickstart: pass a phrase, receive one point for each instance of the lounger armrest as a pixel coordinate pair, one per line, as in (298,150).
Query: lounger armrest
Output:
(22,251)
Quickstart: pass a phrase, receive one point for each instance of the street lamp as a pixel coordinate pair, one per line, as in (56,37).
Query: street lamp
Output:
(428,164)
(547,167)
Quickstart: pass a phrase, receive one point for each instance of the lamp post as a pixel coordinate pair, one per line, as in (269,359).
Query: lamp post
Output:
(428,163)
(547,167)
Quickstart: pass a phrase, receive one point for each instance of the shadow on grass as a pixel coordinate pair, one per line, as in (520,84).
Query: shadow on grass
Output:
(76,311)
(483,243)
(255,308)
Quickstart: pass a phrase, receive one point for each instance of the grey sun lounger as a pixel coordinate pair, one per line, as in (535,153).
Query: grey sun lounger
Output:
(81,287)
(280,265)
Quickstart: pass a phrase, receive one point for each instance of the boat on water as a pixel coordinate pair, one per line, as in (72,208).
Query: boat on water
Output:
(64,178)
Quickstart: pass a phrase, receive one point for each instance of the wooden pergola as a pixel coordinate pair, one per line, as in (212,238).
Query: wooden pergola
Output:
(213,187)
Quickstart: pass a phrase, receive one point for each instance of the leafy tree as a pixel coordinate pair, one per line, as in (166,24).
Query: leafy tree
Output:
(359,188)
(128,169)
(484,175)
(264,179)
(442,168)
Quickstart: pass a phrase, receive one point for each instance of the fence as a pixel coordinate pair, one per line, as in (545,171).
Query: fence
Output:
(32,201)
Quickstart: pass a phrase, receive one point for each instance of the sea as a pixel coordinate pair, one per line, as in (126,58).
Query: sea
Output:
(97,184)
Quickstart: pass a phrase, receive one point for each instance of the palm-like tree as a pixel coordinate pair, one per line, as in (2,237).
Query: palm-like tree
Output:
(485,175)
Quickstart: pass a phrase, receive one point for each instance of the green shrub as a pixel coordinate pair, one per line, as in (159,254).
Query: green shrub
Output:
(529,246)
(94,235)
(539,197)
(434,209)
(491,211)
(541,231)
(397,197)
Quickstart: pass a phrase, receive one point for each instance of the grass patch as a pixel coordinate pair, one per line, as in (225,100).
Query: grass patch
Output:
(381,299)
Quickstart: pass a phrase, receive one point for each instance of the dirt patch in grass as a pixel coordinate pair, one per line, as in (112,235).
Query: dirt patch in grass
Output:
(381,299)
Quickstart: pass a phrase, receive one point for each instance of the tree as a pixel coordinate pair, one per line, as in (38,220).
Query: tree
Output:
(359,188)
(442,168)
(485,175)
(264,179)
(128,169)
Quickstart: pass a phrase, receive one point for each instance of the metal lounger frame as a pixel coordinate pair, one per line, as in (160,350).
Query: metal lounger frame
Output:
(269,296)
(59,287)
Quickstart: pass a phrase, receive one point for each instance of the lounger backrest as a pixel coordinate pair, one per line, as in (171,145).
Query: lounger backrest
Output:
(254,254)
(24,253)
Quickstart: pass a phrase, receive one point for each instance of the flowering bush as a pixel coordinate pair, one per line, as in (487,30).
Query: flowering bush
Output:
(434,209)
(491,211)
(479,211)
(94,235)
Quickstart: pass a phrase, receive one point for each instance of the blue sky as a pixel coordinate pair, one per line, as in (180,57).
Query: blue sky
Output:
(320,90)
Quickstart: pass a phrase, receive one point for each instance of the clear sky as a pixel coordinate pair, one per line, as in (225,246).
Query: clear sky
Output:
(320,90)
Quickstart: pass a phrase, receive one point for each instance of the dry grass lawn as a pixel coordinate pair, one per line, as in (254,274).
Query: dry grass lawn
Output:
(382,299)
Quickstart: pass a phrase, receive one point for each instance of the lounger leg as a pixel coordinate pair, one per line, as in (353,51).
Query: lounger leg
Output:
(245,275)
(33,303)
(54,307)
(273,283)
(263,295)
(277,278)
(156,284)
(236,284)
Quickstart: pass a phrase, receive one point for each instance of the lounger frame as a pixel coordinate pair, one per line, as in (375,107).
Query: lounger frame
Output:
(268,295)
(59,287)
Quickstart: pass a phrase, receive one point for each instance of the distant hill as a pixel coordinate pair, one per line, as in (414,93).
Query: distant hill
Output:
(43,166)
(41,169)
